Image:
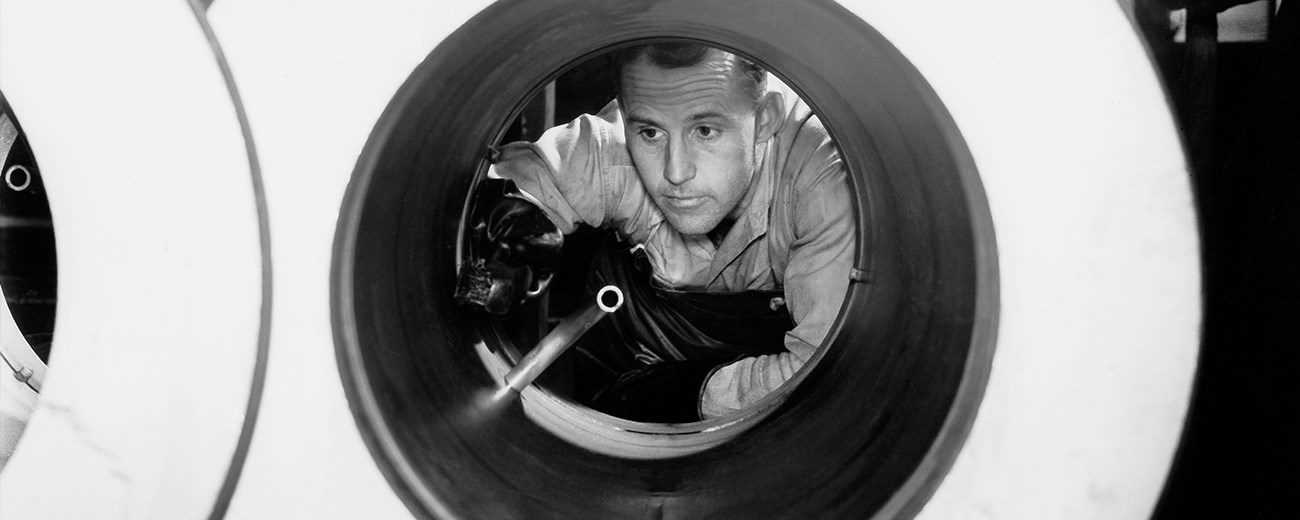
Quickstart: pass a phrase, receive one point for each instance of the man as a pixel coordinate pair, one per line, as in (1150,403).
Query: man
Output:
(732,192)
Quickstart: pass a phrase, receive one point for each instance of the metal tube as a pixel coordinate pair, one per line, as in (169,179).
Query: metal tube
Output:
(560,338)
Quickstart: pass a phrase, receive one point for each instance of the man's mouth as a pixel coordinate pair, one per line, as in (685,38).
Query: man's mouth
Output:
(683,202)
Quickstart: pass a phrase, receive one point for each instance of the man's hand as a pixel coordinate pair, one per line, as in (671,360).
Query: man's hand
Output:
(513,246)
(667,392)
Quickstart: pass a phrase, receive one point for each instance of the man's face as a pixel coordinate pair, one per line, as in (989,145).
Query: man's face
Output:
(691,134)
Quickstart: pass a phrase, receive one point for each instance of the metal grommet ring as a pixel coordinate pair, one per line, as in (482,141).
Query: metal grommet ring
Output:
(26,176)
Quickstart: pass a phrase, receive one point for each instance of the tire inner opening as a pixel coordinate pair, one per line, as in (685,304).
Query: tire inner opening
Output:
(614,366)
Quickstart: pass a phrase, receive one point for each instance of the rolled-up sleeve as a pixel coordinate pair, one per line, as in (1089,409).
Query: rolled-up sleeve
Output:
(581,173)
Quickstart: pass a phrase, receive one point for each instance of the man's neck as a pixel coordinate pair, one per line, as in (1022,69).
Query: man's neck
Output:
(720,233)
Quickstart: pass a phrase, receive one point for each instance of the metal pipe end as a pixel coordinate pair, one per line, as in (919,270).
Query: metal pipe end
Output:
(617,295)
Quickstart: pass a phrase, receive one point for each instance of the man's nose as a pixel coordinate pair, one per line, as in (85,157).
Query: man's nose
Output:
(678,167)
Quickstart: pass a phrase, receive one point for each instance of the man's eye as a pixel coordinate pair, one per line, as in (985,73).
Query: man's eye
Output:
(706,131)
(650,133)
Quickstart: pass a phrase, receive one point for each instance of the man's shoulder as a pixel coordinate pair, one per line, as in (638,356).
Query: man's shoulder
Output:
(806,152)
(601,133)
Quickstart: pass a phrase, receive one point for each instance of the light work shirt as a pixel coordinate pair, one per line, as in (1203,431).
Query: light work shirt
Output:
(796,234)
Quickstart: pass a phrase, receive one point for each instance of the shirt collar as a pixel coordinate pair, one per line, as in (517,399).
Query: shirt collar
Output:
(752,224)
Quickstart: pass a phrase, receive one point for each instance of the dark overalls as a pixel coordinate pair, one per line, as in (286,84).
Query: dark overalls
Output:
(649,360)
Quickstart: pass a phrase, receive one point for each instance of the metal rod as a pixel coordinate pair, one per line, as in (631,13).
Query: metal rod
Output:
(560,338)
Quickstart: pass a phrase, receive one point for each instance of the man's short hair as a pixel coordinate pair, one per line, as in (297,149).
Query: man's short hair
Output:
(678,55)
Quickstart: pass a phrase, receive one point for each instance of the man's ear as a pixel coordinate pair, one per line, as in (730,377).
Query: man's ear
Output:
(770,117)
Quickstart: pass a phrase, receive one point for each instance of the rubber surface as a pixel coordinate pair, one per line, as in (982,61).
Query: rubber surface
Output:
(409,342)
(893,429)
(1097,281)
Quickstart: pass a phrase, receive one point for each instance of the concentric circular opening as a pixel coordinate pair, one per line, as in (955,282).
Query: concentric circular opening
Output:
(870,429)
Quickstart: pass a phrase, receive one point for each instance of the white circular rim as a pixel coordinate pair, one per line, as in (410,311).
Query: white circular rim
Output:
(162,272)
(1097,247)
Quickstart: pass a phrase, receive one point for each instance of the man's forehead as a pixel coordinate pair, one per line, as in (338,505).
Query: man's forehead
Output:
(714,81)
(717,63)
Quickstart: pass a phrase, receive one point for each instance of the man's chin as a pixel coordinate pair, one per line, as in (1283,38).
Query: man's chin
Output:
(691,224)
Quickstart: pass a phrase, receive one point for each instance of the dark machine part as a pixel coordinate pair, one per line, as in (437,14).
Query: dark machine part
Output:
(513,247)
(28,263)
(1238,108)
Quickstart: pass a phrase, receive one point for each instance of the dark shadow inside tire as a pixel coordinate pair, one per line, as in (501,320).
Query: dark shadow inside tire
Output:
(874,425)
(28,260)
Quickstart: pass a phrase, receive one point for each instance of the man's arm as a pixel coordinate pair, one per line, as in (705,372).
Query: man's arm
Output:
(581,173)
(816,282)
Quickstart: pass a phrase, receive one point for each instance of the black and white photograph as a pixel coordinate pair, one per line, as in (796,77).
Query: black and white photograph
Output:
(649,259)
